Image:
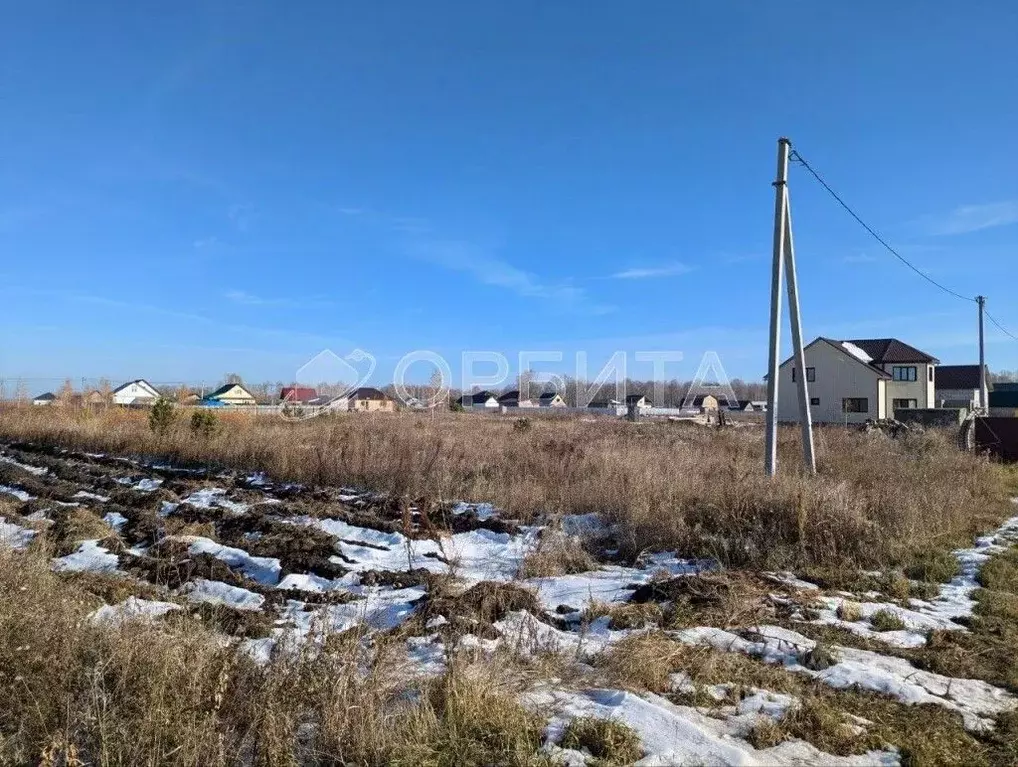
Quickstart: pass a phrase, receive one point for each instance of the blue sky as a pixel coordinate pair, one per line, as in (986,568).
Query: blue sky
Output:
(236,186)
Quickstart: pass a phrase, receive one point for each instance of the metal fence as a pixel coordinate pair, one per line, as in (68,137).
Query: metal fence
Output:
(998,437)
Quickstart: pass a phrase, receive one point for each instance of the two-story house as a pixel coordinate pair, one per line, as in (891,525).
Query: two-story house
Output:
(853,381)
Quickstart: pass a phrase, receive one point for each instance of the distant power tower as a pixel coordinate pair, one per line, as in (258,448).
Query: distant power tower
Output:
(784,265)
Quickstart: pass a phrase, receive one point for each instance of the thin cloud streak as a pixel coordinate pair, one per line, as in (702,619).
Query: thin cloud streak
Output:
(643,273)
(244,298)
(974,218)
(471,260)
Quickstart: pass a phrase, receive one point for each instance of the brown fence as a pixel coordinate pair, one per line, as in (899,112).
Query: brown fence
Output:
(998,436)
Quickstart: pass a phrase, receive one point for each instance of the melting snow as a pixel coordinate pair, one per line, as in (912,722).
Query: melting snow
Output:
(115,519)
(132,608)
(90,557)
(477,555)
(316,583)
(528,635)
(264,570)
(955,600)
(680,735)
(93,496)
(856,352)
(484,511)
(219,593)
(21,495)
(975,700)
(38,471)
(379,608)
(15,536)
(210,497)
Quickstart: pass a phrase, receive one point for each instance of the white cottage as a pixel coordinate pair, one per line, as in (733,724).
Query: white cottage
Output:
(137,392)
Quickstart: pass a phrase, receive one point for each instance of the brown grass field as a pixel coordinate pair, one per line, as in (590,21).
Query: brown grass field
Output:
(876,501)
(174,692)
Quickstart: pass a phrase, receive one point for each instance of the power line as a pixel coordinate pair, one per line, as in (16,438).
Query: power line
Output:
(801,160)
(1000,327)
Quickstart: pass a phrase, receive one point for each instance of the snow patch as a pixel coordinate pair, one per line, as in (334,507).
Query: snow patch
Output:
(15,536)
(115,519)
(264,570)
(975,700)
(680,735)
(21,495)
(132,608)
(38,471)
(211,497)
(91,496)
(90,557)
(219,593)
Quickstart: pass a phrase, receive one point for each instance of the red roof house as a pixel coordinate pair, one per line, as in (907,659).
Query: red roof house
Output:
(297,394)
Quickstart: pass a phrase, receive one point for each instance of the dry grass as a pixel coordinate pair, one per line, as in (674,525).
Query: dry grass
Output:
(877,501)
(172,693)
(611,743)
(926,735)
(557,554)
(885,620)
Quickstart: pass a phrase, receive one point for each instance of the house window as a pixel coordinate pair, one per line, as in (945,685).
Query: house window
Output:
(930,368)
(793,375)
(811,374)
(814,400)
(903,404)
(855,405)
(903,373)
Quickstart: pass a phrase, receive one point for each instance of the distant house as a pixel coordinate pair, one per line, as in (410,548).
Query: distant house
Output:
(93,398)
(855,381)
(958,386)
(609,406)
(551,399)
(301,394)
(367,399)
(639,400)
(481,399)
(705,403)
(742,406)
(136,392)
(233,394)
(512,399)
(47,398)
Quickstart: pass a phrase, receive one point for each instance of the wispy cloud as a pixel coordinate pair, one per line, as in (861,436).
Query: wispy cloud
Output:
(663,270)
(470,259)
(243,298)
(973,218)
(859,258)
(241,216)
(204,243)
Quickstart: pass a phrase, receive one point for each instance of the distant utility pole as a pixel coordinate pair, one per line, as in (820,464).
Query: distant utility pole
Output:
(784,259)
(983,388)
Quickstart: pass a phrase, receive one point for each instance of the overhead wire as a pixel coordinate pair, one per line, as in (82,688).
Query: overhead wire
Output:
(795,156)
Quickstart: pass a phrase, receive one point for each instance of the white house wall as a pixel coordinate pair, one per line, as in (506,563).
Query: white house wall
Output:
(132,391)
(837,376)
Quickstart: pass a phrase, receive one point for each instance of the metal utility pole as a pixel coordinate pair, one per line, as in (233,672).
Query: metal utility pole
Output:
(784,256)
(983,389)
